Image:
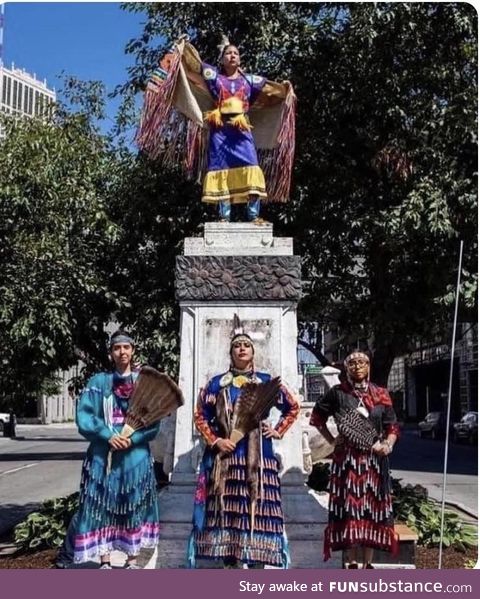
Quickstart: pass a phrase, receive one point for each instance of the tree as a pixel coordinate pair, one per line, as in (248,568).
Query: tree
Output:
(57,175)
(384,183)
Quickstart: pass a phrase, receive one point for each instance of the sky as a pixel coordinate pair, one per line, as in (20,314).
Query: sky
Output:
(85,39)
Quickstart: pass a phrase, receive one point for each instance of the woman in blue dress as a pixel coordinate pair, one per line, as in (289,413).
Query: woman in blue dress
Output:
(233,174)
(241,486)
(230,114)
(118,502)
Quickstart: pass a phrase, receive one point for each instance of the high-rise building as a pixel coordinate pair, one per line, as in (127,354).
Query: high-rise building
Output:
(23,94)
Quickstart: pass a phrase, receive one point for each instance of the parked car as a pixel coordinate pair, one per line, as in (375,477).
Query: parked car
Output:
(433,426)
(466,429)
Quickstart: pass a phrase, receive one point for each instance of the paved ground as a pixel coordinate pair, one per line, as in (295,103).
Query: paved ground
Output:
(43,462)
(420,461)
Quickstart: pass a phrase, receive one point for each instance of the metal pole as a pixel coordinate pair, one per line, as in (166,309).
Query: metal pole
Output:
(449,403)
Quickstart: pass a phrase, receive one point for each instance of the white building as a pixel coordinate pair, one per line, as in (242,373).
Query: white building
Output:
(22,93)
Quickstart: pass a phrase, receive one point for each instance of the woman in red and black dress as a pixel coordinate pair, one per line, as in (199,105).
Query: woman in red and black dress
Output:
(360,505)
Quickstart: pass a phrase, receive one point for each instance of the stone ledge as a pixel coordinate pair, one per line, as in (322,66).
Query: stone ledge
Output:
(238,239)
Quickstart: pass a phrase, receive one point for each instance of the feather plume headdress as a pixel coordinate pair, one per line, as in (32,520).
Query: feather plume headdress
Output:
(224,43)
(239,333)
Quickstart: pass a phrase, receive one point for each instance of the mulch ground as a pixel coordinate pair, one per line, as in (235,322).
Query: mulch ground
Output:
(426,558)
(40,560)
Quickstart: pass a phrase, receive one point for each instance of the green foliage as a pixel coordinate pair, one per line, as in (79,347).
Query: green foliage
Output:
(412,505)
(47,527)
(383,189)
(470,563)
(385,171)
(57,177)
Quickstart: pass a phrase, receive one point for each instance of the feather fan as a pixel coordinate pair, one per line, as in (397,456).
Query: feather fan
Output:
(252,407)
(356,429)
(154,397)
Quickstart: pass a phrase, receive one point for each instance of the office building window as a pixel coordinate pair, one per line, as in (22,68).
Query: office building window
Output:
(4,89)
(30,100)
(15,94)
(9,90)
(20,96)
(25,99)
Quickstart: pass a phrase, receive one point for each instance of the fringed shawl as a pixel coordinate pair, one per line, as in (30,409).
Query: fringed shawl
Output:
(172,127)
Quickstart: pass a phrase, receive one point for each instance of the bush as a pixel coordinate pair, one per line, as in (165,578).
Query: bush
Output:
(412,505)
(46,528)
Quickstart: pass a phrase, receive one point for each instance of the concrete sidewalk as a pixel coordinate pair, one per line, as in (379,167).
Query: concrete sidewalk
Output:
(461,489)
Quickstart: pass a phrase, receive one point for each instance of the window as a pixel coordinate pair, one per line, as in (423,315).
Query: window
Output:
(25,99)
(4,89)
(15,94)
(19,97)
(9,91)
(30,100)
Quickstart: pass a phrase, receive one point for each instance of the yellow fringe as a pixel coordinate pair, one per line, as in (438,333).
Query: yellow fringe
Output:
(214,117)
(241,122)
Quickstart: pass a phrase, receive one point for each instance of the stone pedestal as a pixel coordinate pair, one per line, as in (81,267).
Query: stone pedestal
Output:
(236,268)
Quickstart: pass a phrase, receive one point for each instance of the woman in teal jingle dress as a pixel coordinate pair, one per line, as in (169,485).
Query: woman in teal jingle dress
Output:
(249,489)
(118,501)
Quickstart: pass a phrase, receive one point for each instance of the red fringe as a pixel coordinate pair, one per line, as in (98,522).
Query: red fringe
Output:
(157,126)
(277,164)
(389,542)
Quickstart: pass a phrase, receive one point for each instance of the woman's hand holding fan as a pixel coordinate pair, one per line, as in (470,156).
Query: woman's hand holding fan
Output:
(154,397)
(117,442)
(253,406)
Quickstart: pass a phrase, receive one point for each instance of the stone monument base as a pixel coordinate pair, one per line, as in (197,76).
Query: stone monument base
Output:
(306,515)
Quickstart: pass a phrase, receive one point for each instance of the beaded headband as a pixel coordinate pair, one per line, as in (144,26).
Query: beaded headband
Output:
(355,356)
(121,339)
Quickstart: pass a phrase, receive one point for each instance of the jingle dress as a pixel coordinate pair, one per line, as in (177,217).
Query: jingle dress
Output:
(220,533)
(360,504)
(118,509)
(233,172)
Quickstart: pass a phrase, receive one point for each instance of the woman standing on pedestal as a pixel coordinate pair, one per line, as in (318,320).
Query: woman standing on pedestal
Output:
(225,95)
(360,505)
(223,505)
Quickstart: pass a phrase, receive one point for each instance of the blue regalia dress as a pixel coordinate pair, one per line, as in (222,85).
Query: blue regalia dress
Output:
(118,508)
(233,172)
(222,526)
(184,93)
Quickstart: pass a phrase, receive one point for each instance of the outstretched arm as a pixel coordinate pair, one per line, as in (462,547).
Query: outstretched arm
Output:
(192,63)
(272,94)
